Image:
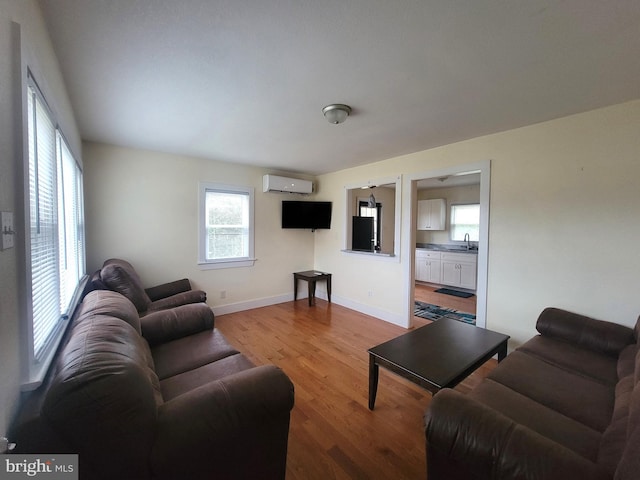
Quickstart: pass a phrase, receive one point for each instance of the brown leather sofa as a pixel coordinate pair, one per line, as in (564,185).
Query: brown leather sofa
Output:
(162,397)
(565,405)
(119,276)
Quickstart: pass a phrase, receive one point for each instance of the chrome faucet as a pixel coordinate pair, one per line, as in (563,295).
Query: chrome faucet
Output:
(466,239)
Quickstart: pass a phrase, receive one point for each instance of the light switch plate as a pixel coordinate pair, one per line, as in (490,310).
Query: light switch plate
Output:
(7,230)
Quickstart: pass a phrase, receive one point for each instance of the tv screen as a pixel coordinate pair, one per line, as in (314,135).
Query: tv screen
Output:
(299,214)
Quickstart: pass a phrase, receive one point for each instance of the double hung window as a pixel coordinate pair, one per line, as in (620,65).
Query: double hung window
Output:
(465,219)
(226,226)
(55,231)
(365,211)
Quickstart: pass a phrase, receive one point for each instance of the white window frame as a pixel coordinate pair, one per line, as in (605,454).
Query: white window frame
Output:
(236,262)
(50,299)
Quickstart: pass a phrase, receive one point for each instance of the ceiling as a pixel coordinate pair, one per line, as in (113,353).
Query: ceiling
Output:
(245,80)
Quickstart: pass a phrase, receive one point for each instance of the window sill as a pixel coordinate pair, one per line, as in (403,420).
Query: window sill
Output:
(37,371)
(234,263)
(371,254)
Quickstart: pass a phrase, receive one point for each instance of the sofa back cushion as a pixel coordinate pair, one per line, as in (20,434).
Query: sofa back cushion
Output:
(113,304)
(120,276)
(597,335)
(103,397)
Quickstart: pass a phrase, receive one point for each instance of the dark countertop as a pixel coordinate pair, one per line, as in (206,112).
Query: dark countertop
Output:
(447,248)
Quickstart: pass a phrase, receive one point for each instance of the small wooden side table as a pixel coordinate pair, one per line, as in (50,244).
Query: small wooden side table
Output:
(311,277)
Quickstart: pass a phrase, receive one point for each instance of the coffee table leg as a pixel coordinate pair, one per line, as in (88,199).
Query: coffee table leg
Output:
(373,381)
(502,353)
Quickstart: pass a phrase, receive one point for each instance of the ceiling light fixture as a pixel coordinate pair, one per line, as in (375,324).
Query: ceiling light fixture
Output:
(336,112)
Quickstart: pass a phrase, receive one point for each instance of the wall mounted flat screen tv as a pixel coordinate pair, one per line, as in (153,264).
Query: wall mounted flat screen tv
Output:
(300,214)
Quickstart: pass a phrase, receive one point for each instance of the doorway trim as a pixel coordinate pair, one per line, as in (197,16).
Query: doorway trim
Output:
(410,198)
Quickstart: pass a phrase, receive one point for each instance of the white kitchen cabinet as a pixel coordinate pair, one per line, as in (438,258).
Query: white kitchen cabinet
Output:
(432,214)
(459,269)
(428,266)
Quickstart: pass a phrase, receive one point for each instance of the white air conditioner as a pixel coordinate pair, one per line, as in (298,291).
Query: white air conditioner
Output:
(274,183)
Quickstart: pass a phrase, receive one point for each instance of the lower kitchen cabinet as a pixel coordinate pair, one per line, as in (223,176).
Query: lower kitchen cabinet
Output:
(428,266)
(459,270)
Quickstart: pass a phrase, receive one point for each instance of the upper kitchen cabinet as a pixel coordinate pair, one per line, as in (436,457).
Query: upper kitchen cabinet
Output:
(432,214)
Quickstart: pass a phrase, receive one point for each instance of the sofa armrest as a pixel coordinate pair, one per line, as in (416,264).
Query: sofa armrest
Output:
(184,298)
(236,427)
(467,439)
(597,335)
(166,325)
(168,289)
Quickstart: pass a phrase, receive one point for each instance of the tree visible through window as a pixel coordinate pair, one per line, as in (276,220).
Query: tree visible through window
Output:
(226,228)
(227,225)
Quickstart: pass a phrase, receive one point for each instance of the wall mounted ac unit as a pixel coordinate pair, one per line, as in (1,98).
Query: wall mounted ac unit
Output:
(274,183)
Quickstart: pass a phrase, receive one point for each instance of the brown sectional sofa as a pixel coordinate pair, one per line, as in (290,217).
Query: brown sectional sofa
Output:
(565,405)
(119,276)
(163,397)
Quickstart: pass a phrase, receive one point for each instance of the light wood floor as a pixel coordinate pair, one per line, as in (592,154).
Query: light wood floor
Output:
(333,434)
(426,293)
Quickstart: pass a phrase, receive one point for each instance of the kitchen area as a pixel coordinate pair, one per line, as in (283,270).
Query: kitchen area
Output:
(447,238)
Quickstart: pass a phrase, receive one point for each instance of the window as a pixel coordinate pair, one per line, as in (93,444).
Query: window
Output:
(226,226)
(465,219)
(365,211)
(55,232)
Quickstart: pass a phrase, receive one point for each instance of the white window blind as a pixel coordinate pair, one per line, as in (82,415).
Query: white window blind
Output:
(43,223)
(56,226)
(71,224)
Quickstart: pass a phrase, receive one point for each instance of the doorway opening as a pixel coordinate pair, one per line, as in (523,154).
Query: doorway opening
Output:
(466,184)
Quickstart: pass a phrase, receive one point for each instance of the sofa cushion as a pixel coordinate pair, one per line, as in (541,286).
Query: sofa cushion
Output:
(121,277)
(568,356)
(184,382)
(615,436)
(597,335)
(547,422)
(103,379)
(108,303)
(188,353)
(629,465)
(627,361)
(578,397)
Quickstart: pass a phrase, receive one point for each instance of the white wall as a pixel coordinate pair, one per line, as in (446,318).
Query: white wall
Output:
(24,41)
(142,206)
(564,226)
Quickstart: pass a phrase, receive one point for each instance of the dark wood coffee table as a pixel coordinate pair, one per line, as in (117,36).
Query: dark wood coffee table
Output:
(438,355)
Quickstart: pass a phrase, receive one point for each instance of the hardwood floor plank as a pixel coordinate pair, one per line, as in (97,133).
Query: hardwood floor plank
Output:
(427,293)
(323,349)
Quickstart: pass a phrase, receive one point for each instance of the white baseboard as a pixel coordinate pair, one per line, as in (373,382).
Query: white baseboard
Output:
(249,304)
(344,302)
(379,313)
